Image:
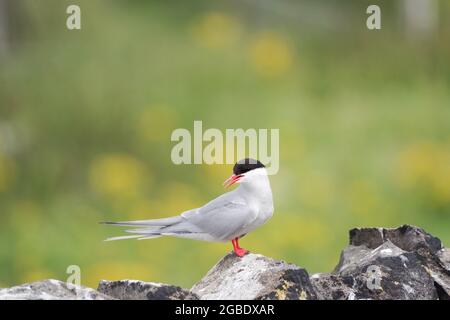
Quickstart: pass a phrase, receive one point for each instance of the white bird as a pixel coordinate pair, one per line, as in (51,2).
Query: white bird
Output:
(226,218)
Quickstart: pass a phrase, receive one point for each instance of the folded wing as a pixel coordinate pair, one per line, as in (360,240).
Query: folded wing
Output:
(219,220)
(223,217)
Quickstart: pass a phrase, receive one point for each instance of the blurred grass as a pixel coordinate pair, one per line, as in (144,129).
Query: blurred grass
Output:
(86,117)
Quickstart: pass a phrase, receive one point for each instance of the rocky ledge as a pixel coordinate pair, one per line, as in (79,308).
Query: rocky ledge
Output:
(379,263)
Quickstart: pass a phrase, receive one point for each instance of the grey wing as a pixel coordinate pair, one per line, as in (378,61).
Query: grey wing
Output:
(222,217)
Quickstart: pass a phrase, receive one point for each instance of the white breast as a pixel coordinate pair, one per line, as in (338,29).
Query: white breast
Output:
(258,196)
(263,211)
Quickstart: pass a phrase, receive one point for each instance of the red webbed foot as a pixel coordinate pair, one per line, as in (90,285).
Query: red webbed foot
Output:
(240,252)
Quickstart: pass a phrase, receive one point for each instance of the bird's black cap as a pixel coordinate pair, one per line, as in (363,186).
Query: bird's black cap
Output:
(245,165)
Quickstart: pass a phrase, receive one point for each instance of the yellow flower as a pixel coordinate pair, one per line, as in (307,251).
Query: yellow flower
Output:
(427,165)
(303,232)
(416,162)
(217,173)
(216,30)
(363,198)
(117,175)
(270,55)
(116,270)
(441,183)
(29,211)
(156,123)
(141,209)
(318,191)
(7,173)
(177,197)
(37,275)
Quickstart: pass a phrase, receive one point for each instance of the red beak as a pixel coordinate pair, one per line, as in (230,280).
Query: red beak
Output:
(231,180)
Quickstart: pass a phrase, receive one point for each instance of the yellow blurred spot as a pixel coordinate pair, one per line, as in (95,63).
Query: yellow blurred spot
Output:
(177,197)
(363,198)
(426,165)
(299,231)
(117,270)
(118,175)
(292,136)
(162,249)
(317,192)
(156,124)
(217,174)
(7,173)
(141,209)
(415,162)
(312,233)
(28,211)
(26,219)
(37,275)
(216,30)
(270,55)
(31,261)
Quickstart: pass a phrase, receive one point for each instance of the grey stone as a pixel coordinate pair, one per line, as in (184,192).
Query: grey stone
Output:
(438,266)
(444,258)
(410,263)
(333,287)
(379,263)
(140,290)
(51,290)
(254,277)
(406,237)
(401,274)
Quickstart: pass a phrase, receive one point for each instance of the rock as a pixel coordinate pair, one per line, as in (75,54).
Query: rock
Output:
(353,256)
(439,268)
(333,287)
(386,272)
(379,263)
(51,290)
(254,277)
(140,290)
(434,258)
(441,282)
(444,258)
(408,262)
(406,237)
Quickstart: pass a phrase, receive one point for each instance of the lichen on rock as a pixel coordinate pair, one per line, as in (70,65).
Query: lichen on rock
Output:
(404,263)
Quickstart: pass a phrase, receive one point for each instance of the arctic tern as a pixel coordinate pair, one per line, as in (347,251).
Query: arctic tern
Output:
(228,217)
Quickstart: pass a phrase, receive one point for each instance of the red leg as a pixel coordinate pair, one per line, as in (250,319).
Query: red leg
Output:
(240,252)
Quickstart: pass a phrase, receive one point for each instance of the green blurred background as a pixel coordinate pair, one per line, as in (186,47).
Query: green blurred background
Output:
(86,117)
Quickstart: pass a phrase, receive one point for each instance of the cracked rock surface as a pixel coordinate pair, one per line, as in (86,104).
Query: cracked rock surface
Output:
(254,277)
(51,290)
(140,290)
(404,263)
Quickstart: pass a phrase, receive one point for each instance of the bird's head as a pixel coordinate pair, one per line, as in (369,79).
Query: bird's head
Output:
(245,170)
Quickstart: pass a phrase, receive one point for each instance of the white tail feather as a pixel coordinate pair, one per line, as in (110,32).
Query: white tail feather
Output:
(122,237)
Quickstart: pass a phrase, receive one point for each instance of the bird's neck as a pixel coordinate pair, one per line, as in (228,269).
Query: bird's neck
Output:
(259,187)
